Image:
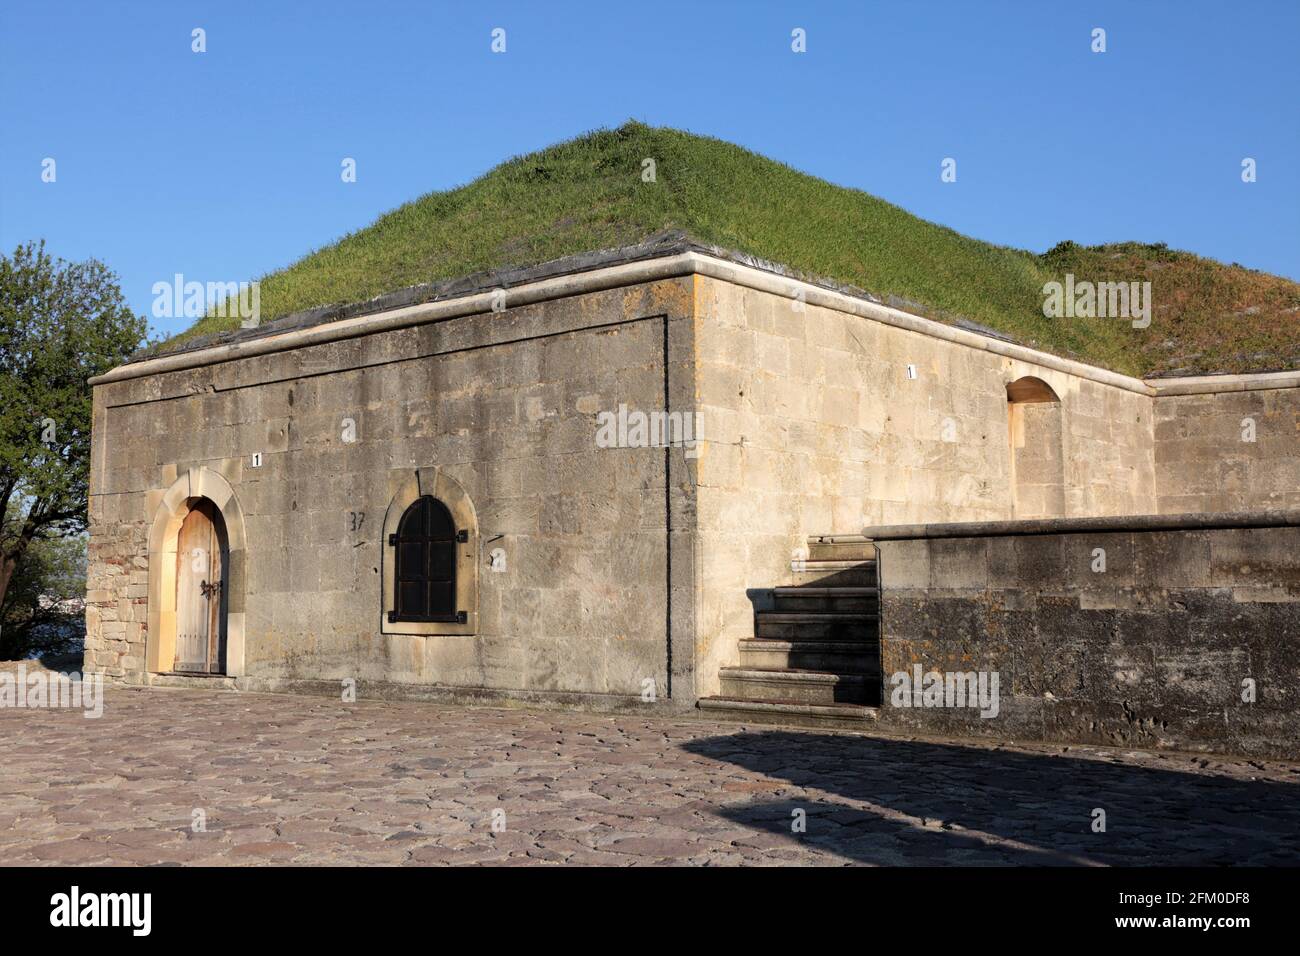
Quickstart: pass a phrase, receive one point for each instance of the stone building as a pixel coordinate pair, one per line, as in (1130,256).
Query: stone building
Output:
(638,478)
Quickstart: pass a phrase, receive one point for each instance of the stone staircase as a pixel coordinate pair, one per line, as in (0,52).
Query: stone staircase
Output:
(814,660)
(201,681)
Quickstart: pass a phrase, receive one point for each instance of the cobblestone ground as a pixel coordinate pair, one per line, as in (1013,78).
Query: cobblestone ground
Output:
(307,781)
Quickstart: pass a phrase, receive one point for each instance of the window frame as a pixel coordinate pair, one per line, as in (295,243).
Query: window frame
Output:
(425,537)
(407,487)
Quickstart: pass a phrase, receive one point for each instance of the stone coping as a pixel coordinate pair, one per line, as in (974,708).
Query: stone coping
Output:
(1203,384)
(666,255)
(662,245)
(1038,526)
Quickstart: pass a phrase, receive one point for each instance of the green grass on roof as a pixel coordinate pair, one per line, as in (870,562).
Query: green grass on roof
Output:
(589,194)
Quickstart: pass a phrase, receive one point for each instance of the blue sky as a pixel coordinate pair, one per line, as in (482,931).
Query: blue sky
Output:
(226,165)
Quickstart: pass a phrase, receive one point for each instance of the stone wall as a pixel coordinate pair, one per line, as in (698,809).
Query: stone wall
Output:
(505,405)
(1228,451)
(815,420)
(1133,632)
(1038,462)
(814,427)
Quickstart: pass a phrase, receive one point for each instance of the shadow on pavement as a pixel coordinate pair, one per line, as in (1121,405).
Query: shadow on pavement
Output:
(938,803)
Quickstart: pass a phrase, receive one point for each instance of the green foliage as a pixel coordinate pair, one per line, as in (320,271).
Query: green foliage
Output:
(1061,252)
(60,324)
(42,609)
(589,193)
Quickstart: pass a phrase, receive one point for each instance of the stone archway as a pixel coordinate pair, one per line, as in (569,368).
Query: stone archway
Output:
(195,485)
(1036,427)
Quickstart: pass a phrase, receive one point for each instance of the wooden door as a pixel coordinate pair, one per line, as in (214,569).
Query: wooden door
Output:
(201,558)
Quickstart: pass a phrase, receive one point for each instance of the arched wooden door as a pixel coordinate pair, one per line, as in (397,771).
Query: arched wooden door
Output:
(202,557)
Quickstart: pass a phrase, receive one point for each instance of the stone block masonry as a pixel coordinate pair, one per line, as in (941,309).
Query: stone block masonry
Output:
(595,576)
(1228,451)
(1162,631)
(313,444)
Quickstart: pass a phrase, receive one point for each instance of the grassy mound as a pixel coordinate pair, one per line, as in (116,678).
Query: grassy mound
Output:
(588,194)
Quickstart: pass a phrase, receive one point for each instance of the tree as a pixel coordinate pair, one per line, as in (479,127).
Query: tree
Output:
(60,324)
(43,610)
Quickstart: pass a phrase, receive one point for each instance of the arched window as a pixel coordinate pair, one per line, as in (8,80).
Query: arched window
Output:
(430,583)
(424,574)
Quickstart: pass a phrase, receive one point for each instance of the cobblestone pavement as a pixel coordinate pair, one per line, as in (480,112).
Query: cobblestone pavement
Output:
(304,780)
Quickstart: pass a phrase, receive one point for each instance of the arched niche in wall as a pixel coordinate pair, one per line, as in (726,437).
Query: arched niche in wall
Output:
(1036,427)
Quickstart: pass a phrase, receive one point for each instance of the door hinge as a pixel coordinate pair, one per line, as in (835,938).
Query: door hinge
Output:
(462,535)
(461,617)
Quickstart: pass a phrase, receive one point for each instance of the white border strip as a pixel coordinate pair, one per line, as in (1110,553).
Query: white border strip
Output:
(1207,384)
(670,267)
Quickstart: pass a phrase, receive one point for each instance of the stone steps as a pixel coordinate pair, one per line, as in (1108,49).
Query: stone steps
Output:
(812,598)
(837,657)
(835,574)
(850,547)
(203,681)
(785,684)
(814,626)
(791,713)
(814,660)
(827,592)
